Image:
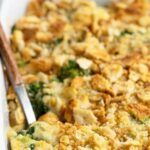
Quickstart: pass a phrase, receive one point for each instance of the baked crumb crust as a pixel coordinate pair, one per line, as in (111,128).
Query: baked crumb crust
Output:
(89,66)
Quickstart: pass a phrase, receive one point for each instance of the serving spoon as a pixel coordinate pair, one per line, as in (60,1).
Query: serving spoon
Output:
(15,77)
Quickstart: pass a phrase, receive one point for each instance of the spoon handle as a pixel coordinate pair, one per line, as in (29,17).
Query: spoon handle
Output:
(7,56)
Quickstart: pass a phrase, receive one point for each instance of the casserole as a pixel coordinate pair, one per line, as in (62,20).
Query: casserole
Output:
(90,70)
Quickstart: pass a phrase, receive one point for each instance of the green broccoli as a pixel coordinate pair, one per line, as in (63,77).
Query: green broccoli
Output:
(125,32)
(13,29)
(32,146)
(21,63)
(58,41)
(31,130)
(71,70)
(35,91)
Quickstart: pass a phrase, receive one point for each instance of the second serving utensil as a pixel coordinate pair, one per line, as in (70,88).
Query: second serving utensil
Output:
(15,77)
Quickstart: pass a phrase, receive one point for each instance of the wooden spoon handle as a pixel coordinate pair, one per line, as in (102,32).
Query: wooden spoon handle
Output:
(7,56)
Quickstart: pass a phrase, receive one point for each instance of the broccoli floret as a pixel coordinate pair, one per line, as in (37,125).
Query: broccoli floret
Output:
(71,70)
(35,91)
(54,43)
(39,108)
(32,146)
(21,63)
(35,87)
(31,130)
(54,79)
(125,32)
(28,132)
(13,29)
(22,132)
(58,41)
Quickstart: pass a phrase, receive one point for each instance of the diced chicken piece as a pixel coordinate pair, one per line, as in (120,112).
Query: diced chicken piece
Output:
(84,116)
(84,63)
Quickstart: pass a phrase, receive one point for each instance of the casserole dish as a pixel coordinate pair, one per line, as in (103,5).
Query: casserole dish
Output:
(87,74)
(3,112)
(7,7)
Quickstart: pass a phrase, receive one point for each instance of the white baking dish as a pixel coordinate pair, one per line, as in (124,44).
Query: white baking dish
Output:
(3,112)
(10,12)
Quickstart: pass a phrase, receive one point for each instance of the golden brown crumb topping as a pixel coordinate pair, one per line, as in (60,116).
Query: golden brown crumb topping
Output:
(87,73)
